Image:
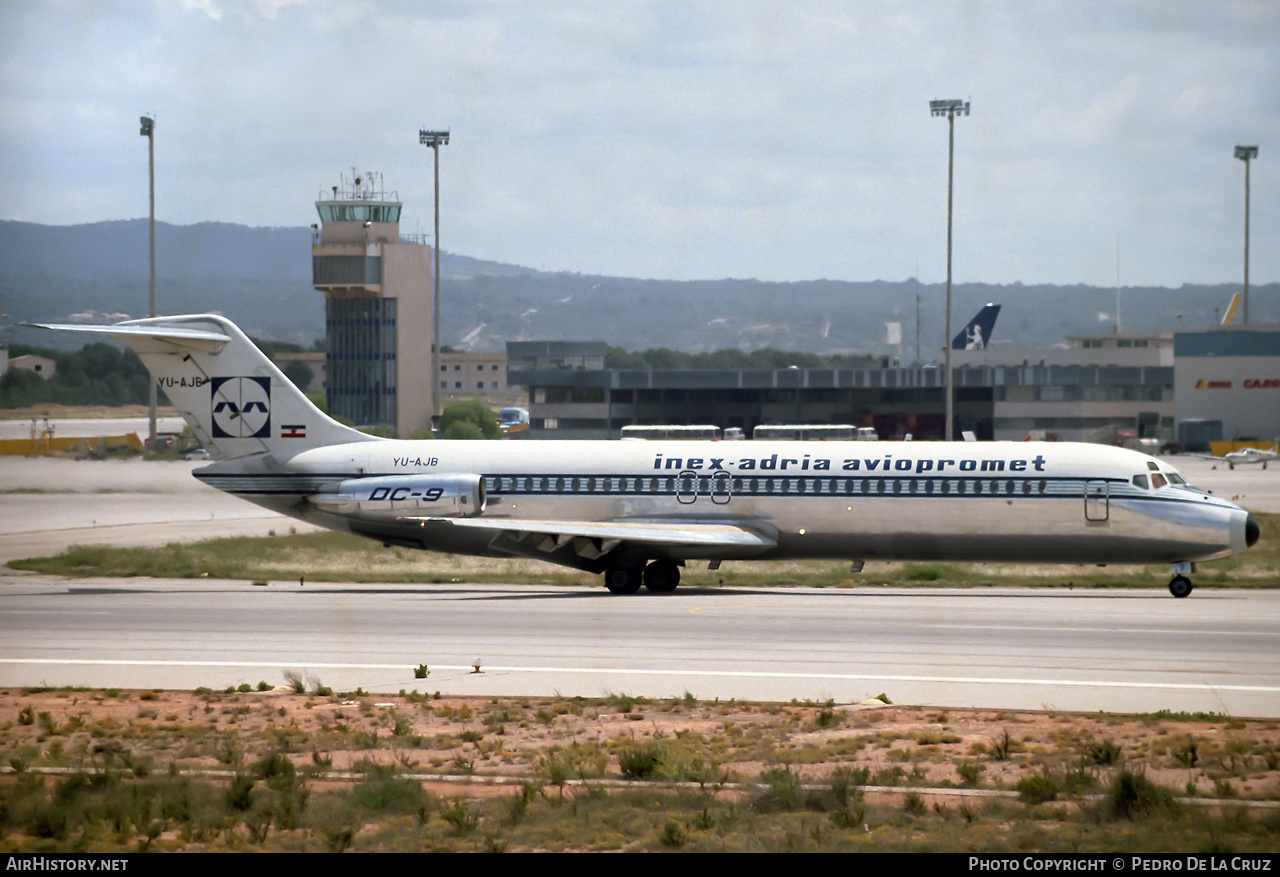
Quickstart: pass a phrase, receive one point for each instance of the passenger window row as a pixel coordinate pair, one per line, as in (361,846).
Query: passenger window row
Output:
(754,486)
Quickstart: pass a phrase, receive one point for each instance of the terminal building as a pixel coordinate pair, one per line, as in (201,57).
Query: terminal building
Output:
(469,372)
(1227,382)
(1097,388)
(378,308)
(461,372)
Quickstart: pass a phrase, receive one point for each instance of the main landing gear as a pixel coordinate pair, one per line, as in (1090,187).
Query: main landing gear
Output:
(1180,585)
(659,576)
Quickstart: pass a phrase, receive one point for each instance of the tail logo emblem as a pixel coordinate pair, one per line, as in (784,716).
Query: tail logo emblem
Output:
(241,407)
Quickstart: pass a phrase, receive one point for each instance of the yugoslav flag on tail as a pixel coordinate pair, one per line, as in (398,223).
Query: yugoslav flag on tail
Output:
(232,396)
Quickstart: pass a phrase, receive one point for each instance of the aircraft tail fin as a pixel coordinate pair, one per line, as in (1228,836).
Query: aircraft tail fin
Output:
(231,395)
(977,332)
(1229,318)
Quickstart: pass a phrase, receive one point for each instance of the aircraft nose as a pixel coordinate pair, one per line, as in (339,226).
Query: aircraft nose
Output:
(1251,531)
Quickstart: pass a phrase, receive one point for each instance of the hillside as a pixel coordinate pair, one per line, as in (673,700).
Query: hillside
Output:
(260,277)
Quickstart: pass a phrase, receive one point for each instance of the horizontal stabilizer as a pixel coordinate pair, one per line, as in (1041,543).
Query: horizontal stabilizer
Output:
(197,339)
(236,401)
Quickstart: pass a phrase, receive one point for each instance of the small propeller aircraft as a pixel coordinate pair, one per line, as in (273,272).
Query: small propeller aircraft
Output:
(1245,456)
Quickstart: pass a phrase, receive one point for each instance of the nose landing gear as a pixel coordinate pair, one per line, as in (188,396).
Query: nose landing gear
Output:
(1180,586)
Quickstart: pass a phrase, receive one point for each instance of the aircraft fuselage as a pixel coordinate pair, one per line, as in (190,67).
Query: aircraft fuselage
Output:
(1003,501)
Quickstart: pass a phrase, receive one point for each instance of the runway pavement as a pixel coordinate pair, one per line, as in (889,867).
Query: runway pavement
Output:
(89,427)
(1126,651)
(1079,650)
(48,505)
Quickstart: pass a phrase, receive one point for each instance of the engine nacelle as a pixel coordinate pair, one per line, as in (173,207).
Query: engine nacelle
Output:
(437,496)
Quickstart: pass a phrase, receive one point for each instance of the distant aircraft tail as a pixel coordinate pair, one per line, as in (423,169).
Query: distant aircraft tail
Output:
(231,395)
(1229,318)
(977,332)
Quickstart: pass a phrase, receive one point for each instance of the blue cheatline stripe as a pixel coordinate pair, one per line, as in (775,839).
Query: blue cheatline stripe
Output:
(752,486)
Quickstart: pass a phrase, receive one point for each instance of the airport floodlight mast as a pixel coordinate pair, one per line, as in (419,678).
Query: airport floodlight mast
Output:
(148,131)
(950,109)
(1246,154)
(435,139)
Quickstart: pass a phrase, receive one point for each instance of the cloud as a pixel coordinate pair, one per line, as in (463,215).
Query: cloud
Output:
(690,139)
(205,7)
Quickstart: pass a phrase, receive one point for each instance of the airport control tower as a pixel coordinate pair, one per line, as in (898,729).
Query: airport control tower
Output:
(377,302)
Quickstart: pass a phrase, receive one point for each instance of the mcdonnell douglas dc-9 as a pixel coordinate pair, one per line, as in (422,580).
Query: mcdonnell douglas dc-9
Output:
(638,511)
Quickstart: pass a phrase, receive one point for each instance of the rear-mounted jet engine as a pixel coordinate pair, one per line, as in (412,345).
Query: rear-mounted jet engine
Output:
(445,496)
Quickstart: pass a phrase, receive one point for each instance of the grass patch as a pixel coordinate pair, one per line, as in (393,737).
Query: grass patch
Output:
(320,557)
(341,557)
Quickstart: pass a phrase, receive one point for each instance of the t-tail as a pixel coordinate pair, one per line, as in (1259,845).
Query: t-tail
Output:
(1233,308)
(232,396)
(977,332)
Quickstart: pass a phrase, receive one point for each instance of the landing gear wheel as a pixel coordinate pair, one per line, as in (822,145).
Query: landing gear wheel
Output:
(622,579)
(662,576)
(1180,586)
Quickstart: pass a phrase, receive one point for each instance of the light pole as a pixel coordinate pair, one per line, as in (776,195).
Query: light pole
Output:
(148,131)
(950,109)
(435,139)
(1246,154)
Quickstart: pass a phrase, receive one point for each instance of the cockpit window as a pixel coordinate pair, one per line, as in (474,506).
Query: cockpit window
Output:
(1175,478)
(1140,481)
(1154,467)
(1157,480)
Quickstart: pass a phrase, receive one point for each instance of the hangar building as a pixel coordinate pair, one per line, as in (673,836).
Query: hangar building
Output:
(1095,389)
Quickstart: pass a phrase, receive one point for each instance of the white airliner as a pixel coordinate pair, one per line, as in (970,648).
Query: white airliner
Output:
(638,511)
(1245,456)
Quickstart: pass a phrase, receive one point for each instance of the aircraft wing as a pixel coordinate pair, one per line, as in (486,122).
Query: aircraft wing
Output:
(590,537)
(682,533)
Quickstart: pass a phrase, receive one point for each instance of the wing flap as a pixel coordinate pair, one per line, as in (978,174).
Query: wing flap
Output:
(693,534)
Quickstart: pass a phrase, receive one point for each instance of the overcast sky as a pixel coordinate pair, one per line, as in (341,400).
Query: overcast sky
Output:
(685,140)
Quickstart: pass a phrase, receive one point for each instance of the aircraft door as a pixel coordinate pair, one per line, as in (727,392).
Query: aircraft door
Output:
(1097,501)
(721,488)
(687,487)
(690,485)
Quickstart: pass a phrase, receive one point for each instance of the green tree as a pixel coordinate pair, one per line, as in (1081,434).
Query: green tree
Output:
(731,358)
(619,358)
(299,373)
(271,347)
(469,420)
(20,387)
(98,374)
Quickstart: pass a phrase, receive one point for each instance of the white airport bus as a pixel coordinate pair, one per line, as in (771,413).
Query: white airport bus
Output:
(702,432)
(814,432)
